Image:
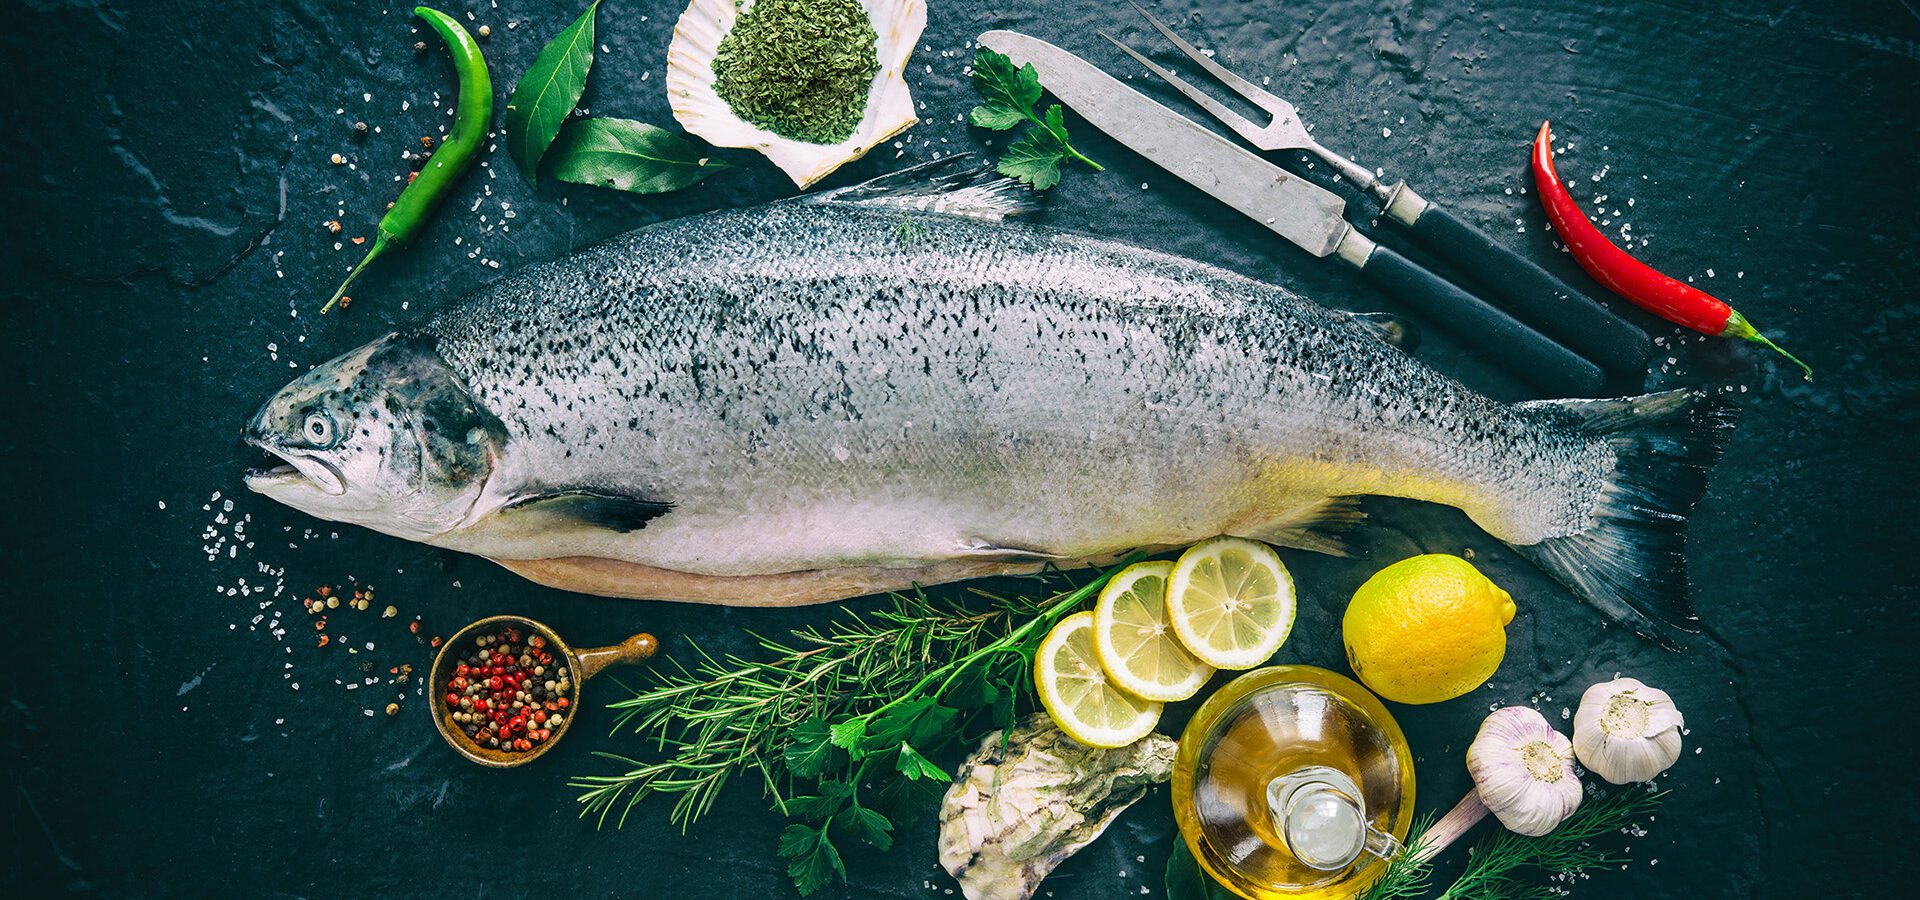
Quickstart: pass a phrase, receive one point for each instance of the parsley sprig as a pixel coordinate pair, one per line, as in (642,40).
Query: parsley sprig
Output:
(1011,96)
(841,724)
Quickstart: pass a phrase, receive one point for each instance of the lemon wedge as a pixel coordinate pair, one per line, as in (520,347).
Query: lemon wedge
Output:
(1135,641)
(1231,602)
(1077,693)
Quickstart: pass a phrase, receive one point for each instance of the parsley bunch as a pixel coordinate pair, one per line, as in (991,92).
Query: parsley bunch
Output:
(840,724)
(1011,96)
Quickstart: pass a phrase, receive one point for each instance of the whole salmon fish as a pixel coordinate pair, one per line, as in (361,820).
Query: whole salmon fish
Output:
(885,386)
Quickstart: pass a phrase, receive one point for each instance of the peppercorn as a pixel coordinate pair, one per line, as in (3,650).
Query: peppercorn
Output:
(337,159)
(333,602)
(486,31)
(393,708)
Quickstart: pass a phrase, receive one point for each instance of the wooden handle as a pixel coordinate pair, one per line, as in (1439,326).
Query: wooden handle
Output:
(635,649)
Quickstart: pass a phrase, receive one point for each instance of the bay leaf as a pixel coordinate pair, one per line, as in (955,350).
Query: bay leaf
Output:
(548,92)
(629,156)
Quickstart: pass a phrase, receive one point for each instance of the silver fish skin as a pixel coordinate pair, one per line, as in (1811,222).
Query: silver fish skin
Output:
(814,398)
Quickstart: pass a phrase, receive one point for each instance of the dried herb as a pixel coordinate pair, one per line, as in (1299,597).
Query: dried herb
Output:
(547,93)
(628,155)
(799,68)
(1011,96)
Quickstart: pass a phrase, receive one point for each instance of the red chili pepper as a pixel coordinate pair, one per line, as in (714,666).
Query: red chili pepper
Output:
(1662,295)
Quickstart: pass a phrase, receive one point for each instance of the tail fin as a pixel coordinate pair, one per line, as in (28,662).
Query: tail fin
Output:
(1631,562)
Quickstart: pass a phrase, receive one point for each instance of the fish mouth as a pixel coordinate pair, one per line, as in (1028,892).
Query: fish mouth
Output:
(295,468)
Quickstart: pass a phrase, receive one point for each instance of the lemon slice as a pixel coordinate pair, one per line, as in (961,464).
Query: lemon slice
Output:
(1136,643)
(1077,693)
(1231,602)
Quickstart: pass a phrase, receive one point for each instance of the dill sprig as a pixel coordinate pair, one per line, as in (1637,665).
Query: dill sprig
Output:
(1568,849)
(1407,871)
(1493,866)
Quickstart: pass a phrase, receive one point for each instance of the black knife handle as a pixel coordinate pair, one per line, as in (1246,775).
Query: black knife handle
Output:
(1547,365)
(1530,293)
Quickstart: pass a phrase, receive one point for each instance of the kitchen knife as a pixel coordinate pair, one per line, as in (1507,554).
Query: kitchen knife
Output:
(1307,215)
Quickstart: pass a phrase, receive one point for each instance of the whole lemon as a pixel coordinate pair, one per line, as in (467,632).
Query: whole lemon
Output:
(1427,629)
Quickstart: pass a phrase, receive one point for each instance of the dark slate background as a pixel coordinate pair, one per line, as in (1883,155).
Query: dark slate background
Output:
(166,181)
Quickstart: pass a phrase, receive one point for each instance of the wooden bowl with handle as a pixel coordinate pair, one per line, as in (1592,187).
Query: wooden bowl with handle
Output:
(584,664)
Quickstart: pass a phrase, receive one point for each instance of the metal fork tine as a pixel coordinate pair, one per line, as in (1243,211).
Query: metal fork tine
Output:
(1255,94)
(1228,117)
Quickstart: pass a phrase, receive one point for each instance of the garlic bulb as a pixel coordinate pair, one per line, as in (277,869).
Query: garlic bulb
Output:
(1523,771)
(699,108)
(1626,731)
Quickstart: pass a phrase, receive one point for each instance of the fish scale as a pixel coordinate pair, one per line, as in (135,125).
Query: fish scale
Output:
(805,401)
(1029,357)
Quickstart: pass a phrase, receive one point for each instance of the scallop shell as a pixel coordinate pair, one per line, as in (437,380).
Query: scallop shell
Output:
(700,110)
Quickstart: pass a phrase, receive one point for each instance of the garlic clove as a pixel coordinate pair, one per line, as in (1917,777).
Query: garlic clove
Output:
(1523,771)
(1626,731)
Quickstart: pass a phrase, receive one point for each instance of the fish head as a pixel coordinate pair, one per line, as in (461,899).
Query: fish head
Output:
(384,436)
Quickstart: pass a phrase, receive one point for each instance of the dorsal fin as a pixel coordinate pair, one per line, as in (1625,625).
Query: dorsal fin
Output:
(1399,331)
(940,186)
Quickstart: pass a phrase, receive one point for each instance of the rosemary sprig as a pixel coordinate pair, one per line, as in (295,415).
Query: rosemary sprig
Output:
(856,709)
(731,715)
(858,703)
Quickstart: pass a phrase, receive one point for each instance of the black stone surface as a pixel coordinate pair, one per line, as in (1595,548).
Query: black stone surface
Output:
(166,178)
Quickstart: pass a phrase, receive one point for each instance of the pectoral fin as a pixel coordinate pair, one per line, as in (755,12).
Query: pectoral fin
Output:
(590,509)
(981,549)
(1321,527)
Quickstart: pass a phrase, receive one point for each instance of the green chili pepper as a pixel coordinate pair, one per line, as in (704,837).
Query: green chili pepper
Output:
(473,112)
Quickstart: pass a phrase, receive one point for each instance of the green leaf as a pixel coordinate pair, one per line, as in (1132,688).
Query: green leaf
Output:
(1056,122)
(867,826)
(904,800)
(934,727)
(821,807)
(628,155)
(847,735)
(1187,881)
(810,751)
(1009,93)
(1034,159)
(812,861)
(895,725)
(548,92)
(917,767)
(998,118)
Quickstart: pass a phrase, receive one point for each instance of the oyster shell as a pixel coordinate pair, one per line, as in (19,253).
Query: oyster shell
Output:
(701,111)
(1012,816)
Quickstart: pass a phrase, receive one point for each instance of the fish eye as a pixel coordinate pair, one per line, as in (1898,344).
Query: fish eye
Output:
(319,429)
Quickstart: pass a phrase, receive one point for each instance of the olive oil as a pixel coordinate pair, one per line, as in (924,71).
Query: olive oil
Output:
(1251,746)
